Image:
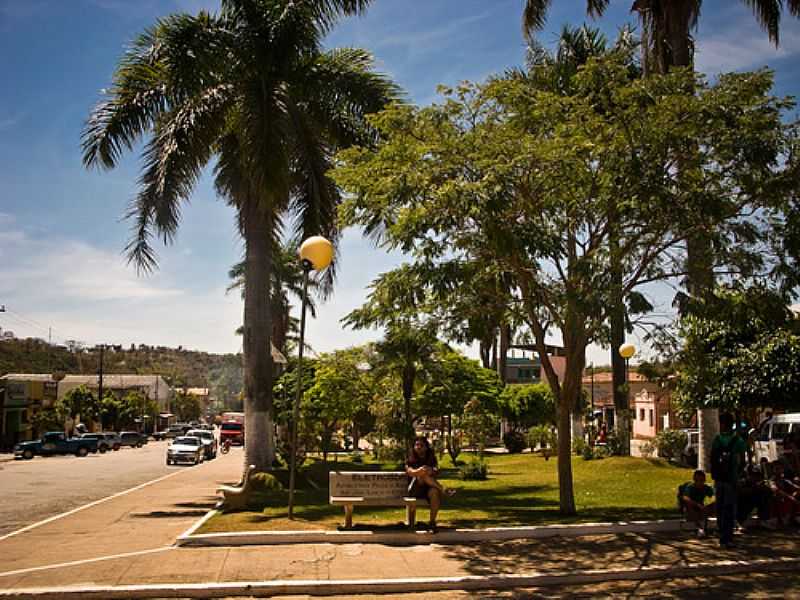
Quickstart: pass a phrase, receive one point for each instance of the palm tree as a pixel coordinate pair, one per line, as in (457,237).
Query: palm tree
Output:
(667,25)
(407,346)
(252,89)
(286,278)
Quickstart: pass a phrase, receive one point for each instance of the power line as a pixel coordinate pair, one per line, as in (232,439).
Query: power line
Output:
(35,324)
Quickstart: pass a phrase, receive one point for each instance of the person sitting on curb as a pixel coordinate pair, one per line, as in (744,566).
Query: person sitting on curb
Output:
(786,496)
(754,495)
(692,496)
(422,469)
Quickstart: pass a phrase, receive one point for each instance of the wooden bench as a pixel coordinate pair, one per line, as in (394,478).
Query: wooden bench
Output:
(372,488)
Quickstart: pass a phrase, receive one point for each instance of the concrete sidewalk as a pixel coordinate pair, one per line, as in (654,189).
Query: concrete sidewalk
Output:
(146,518)
(630,553)
(129,541)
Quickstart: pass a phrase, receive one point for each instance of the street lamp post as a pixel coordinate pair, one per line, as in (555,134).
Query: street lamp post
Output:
(627,351)
(316,253)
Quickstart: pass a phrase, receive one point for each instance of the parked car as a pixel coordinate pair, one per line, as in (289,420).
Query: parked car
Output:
(132,439)
(105,441)
(161,435)
(187,448)
(209,442)
(689,452)
(174,431)
(772,433)
(55,442)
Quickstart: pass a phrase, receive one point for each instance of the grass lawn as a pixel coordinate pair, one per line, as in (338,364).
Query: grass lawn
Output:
(522,489)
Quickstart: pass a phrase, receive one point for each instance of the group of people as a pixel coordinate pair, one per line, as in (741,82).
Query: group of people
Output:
(742,486)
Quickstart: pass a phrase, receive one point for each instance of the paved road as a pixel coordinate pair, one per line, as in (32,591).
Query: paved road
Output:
(33,490)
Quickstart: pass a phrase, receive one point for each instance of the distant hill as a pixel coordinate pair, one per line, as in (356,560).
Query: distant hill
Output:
(222,373)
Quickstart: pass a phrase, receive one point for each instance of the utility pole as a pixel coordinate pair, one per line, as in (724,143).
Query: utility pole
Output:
(100,379)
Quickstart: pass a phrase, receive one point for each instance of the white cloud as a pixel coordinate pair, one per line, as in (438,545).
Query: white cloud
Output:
(68,270)
(745,45)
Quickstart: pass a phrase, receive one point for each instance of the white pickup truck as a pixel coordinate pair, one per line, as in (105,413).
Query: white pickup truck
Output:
(769,443)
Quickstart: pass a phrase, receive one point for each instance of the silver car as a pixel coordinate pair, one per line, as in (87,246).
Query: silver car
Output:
(209,441)
(187,449)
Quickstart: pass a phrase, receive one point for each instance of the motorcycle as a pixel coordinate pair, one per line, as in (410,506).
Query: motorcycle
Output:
(226,446)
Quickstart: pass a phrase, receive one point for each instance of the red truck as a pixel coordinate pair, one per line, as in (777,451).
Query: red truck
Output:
(232,428)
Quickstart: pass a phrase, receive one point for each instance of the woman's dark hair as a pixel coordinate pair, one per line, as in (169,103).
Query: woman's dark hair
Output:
(412,456)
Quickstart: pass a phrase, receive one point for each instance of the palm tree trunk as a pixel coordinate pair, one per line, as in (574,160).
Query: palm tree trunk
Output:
(259,434)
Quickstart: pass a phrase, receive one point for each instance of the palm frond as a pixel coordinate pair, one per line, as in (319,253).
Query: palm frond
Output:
(342,88)
(596,8)
(768,15)
(534,16)
(165,64)
(173,159)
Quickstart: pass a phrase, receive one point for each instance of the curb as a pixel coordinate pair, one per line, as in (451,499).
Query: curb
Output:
(412,538)
(396,586)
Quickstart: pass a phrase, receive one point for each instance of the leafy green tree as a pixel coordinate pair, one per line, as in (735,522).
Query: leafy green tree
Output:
(47,419)
(667,43)
(252,90)
(451,380)
(409,339)
(477,424)
(187,407)
(529,180)
(79,403)
(338,395)
(524,406)
(750,342)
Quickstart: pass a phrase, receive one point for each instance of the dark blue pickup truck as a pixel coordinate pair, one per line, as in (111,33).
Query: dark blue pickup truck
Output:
(55,442)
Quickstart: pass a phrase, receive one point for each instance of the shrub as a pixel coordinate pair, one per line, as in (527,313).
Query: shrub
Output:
(514,442)
(579,445)
(475,470)
(542,436)
(613,444)
(266,490)
(670,443)
(392,453)
(587,453)
(265,483)
(647,449)
(600,452)
(355,457)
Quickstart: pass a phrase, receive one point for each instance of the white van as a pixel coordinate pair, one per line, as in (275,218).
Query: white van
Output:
(772,433)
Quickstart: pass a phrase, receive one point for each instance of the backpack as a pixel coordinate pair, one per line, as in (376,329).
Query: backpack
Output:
(722,461)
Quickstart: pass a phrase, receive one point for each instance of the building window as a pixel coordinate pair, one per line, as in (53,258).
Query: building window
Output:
(651,417)
(641,414)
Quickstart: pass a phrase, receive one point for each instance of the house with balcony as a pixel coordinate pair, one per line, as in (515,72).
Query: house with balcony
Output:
(21,397)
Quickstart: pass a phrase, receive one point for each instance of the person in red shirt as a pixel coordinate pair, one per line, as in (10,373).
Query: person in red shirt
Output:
(422,469)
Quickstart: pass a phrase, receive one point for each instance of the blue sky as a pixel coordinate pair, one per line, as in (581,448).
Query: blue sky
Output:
(61,233)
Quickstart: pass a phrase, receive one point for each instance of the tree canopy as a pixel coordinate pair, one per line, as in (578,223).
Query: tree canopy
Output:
(529,181)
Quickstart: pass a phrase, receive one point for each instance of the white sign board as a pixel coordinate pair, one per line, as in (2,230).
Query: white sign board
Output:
(368,484)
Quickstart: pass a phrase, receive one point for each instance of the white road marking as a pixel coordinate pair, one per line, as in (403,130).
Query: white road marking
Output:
(84,561)
(89,505)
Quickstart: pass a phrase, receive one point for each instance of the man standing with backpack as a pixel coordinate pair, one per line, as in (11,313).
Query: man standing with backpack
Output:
(727,460)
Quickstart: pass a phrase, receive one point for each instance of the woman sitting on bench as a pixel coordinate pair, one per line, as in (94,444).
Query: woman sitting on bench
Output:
(422,468)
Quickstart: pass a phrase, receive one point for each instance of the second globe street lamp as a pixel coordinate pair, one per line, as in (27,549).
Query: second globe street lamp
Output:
(316,253)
